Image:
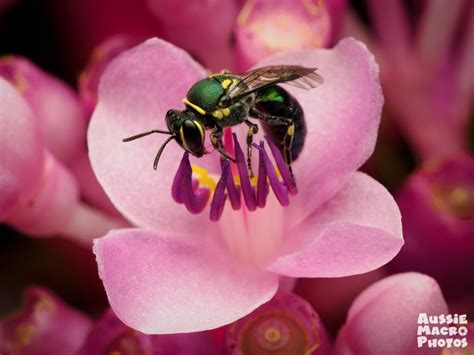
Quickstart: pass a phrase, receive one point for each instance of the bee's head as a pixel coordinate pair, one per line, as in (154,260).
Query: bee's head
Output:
(188,131)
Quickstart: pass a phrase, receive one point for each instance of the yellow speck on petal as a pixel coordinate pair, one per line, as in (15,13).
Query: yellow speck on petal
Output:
(43,304)
(204,178)
(24,333)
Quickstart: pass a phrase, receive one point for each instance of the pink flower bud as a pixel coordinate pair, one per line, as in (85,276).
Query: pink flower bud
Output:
(384,318)
(56,107)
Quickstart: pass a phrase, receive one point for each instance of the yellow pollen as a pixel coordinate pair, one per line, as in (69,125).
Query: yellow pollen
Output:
(313,8)
(226,83)
(291,130)
(43,304)
(272,335)
(24,334)
(455,200)
(204,178)
(226,111)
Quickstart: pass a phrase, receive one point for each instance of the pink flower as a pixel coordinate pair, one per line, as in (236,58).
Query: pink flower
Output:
(285,325)
(426,69)
(384,318)
(38,194)
(264,28)
(45,325)
(61,121)
(180,272)
(437,205)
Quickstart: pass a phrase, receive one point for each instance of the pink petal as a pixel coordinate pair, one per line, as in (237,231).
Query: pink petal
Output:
(56,107)
(383,319)
(21,157)
(158,285)
(342,117)
(135,93)
(356,231)
(50,210)
(98,61)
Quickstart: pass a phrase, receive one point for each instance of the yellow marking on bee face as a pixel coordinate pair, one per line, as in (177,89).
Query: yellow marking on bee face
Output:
(226,111)
(226,83)
(194,106)
(217,114)
(291,130)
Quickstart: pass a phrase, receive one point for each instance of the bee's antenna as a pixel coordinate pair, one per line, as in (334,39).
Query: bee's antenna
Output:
(132,138)
(158,155)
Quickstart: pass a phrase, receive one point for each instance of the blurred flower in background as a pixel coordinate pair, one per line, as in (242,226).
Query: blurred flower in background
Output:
(54,54)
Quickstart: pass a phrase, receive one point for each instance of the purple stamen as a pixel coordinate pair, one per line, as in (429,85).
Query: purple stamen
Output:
(247,189)
(278,188)
(262,185)
(177,187)
(218,200)
(195,199)
(232,190)
(283,168)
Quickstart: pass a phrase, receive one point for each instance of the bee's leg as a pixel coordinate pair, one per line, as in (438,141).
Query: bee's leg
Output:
(288,138)
(253,129)
(216,140)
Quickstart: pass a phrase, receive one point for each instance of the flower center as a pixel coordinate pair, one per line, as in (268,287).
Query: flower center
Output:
(195,188)
(277,333)
(127,343)
(456,200)
(283,32)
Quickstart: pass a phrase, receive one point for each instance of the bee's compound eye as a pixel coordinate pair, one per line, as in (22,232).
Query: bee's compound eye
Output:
(170,113)
(193,137)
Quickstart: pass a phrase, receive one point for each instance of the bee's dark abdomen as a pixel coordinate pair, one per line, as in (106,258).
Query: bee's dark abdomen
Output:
(277,101)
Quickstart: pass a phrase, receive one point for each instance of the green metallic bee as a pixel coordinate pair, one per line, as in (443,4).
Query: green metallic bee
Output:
(228,99)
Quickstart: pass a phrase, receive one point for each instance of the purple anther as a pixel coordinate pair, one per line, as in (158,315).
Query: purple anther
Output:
(247,189)
(177,187)
(262,185)
(232,190)
(195,203)
(218,200)
(278,188)
(283,168)
(186,190)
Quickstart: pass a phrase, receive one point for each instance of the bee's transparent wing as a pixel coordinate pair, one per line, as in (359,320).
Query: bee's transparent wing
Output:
(260,78)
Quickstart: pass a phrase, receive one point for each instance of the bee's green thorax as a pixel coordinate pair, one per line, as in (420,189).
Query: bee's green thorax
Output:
(205,94)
